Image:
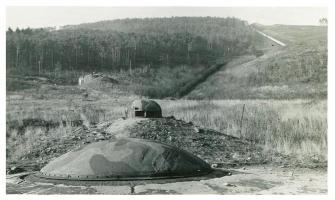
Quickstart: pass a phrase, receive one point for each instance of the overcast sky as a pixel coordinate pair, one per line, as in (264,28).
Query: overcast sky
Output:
(58,16)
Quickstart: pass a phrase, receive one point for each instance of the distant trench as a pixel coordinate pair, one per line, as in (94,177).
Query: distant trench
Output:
(202,77)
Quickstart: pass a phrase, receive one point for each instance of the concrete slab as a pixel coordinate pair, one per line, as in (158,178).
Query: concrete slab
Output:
(112,189)
(249,180)
(192,187)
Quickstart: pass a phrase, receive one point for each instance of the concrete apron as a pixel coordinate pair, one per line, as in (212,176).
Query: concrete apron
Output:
(254,180)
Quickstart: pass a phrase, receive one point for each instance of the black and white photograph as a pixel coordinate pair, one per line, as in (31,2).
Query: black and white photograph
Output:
(166,100)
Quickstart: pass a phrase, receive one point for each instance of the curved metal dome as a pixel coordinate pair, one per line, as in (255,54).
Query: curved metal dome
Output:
(125,159)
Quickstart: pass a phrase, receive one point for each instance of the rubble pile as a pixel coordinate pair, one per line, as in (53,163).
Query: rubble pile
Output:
(210,145)
(48,148)
(216,148)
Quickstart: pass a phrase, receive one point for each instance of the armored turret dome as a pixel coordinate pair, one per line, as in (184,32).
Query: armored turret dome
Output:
(125,159)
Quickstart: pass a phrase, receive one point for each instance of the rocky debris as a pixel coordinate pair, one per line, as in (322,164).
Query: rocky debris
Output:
(210,145)
(218,149)
(214,165)
(229,185)
(198,129)
(15,170)
(121,127)
(48,148)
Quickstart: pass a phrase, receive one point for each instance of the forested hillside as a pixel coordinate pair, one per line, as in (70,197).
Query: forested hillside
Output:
(127,44)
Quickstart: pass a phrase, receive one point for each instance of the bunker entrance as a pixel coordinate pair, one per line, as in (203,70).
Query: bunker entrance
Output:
(153,114)
(145,108)
(139,113)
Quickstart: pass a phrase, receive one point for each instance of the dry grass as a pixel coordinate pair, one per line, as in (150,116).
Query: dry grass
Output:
(292,127)
(297,71)
(54,114)
(295,127)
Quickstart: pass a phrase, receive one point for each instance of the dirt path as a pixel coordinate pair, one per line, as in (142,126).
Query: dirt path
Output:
(238,67)
(249,180)
(271,38)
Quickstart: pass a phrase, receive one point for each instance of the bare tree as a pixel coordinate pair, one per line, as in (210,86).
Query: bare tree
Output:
(323,22)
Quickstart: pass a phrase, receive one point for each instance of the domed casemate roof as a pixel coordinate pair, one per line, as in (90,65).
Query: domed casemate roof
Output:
(125,159)
(146,105)
(146,108)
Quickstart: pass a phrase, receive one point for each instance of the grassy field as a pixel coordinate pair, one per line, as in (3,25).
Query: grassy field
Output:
(291,127)
(297,128)
(298,35)
(152,81)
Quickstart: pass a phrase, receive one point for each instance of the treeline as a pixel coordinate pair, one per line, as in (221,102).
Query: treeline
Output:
(127,44)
